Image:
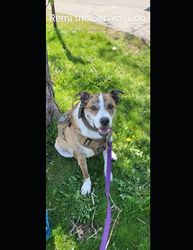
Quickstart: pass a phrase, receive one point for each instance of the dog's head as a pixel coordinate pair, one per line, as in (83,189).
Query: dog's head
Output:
(100,108)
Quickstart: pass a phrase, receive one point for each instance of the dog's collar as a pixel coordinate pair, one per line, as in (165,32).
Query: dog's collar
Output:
(81,115)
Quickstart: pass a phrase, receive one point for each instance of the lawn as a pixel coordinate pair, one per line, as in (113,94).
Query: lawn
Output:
(91,57)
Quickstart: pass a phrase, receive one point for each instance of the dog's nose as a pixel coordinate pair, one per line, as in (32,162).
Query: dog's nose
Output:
(104,121)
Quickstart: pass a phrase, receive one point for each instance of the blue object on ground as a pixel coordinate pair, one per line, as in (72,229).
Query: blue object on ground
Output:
(48,230)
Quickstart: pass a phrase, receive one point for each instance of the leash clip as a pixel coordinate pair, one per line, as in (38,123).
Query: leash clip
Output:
(101,149)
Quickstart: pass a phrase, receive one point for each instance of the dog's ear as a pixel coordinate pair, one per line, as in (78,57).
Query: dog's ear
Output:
(115,95)
(84,97)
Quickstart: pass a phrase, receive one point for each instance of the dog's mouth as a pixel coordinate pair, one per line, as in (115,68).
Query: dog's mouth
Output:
(104,131)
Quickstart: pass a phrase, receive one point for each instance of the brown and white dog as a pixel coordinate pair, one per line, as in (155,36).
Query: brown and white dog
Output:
(82,131)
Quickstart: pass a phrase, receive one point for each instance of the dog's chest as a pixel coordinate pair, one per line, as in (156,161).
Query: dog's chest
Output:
(86,152)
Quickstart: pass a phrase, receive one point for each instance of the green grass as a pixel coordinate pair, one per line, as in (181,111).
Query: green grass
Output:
(81,57)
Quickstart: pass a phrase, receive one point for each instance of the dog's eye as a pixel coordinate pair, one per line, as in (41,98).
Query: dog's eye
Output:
(94,108)
(110,106)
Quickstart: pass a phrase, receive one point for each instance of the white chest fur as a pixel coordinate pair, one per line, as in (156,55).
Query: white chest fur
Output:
(86,151)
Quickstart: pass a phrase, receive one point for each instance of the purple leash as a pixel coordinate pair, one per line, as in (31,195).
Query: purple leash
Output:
(105,235)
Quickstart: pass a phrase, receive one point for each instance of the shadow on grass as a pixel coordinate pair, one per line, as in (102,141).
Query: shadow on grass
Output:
(135,41)
(74,59)
(50,244)
(58,62)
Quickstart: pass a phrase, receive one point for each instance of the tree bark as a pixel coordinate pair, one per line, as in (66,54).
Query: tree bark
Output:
(53,13)
(52,110)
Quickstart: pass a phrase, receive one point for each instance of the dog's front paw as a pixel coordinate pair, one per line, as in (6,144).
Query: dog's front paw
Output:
(86,187)
(114,157)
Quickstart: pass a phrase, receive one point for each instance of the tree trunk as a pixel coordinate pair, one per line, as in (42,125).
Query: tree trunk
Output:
(53,13)
(52,110)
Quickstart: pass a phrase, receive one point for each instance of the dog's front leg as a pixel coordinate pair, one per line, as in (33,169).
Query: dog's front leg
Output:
(105,163)
(86,187)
